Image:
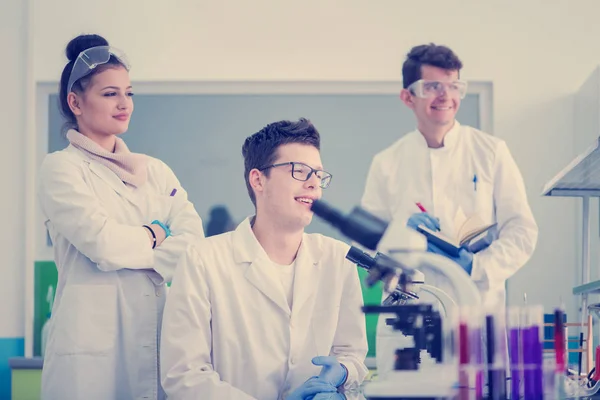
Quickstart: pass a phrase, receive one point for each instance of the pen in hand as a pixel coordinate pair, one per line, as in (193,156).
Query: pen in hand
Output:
(434,221)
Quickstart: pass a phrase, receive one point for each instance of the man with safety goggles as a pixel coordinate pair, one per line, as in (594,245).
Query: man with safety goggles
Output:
(428,89)
(443,173)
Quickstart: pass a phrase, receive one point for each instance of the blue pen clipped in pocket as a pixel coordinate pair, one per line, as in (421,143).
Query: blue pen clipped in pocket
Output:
(475,182)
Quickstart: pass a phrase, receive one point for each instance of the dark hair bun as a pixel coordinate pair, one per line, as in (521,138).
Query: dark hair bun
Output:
(83,42)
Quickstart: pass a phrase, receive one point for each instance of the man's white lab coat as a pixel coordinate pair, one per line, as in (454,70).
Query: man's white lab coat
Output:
(228,332)
(473,172)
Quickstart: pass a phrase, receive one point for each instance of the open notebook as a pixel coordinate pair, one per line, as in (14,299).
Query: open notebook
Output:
(472,233)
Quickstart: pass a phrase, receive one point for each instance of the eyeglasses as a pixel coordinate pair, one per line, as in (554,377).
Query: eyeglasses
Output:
(425,88)
(302,172)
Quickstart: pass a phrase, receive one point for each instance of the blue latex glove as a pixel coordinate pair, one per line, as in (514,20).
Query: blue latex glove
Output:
(332,372)
(464,259)
(310,388)
(423,218)
(329,396)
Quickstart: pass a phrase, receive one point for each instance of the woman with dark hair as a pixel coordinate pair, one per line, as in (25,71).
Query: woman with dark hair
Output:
(118,222)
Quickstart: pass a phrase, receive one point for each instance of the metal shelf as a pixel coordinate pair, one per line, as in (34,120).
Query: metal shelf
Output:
(588,288)
(581,178)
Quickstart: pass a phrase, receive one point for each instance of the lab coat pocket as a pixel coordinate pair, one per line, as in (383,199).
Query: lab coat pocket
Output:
(485,201)
(323,328)
(87,320)
(479,200)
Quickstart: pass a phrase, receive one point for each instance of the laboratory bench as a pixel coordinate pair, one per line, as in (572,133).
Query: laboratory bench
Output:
(26,377)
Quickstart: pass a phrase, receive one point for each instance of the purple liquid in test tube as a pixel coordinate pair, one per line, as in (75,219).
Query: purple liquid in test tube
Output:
(495,326)
(539,361)
(528,372)
(478,361)
(537,329)
(514,352)
(532,352)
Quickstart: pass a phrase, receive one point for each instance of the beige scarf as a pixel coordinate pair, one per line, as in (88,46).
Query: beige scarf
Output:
(131,168)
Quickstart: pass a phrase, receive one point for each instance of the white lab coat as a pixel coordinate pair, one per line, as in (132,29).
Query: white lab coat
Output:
(228,332)
(442,181)
(106,318)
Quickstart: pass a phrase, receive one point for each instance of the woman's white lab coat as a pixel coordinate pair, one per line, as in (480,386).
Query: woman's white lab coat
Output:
(106,318)
(228,332)
(442,180)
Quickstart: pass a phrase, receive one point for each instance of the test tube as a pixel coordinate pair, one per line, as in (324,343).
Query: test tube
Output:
(495,329)
(533,320)
(463,358)
(559,341)
(470,354)
(560,354)
(538,340)
(515,352)
(477,351)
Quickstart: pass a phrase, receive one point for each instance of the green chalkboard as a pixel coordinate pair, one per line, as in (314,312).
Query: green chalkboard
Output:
(370,296)
(45,275)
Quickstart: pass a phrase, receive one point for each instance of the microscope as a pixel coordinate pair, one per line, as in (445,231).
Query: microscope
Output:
(401,255)
(413,330)
(419,321)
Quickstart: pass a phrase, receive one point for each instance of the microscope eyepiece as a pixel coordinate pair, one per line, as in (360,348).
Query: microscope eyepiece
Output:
(328,213)
(361,258)
(360,225)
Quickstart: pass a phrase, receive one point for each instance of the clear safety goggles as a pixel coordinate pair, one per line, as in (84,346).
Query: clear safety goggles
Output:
(90,59)
(424,88)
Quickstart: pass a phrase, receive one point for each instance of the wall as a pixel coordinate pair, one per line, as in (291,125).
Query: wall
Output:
(537,53)
(13,41)
(200,138)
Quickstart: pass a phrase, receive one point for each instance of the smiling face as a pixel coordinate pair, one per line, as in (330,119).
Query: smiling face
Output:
(437,111)
(105,106)
(282,200)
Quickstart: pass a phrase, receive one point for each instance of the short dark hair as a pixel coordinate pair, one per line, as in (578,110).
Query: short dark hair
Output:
(428,54)
(260,149)
(74,48)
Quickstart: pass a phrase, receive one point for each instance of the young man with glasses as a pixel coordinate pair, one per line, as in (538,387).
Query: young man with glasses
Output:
(267,311)
(444,172)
